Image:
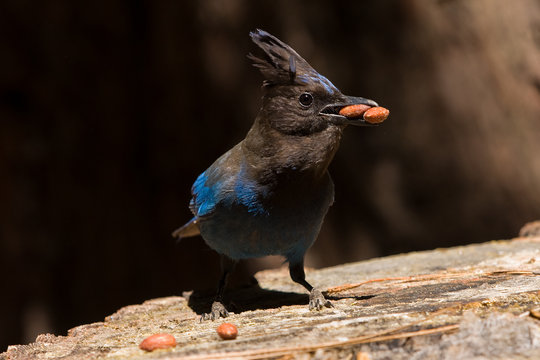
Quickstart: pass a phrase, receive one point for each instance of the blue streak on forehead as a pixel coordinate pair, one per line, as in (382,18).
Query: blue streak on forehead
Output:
(318,78)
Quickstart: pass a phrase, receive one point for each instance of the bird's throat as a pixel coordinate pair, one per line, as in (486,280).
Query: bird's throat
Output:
(292,156)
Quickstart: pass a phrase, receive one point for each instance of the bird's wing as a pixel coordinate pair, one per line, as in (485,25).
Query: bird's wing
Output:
(215,184)
(188,230)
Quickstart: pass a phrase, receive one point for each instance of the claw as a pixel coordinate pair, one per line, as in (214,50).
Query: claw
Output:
(218,311)
(317,300)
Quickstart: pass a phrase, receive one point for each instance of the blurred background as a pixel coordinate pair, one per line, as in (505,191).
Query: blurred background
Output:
(109,111)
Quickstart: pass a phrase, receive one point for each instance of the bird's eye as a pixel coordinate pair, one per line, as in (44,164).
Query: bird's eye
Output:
(306,99)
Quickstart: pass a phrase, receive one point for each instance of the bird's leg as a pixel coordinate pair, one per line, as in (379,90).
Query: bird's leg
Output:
(316,298)
(218,309)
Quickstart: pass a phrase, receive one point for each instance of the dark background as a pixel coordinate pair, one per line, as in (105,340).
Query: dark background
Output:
(109,110)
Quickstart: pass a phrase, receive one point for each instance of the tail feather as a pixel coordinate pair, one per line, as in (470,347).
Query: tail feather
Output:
(188,230)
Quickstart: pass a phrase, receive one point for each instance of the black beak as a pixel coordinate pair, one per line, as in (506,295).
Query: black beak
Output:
(332,111)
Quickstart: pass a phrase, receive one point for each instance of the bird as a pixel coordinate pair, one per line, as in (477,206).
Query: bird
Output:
(269,194)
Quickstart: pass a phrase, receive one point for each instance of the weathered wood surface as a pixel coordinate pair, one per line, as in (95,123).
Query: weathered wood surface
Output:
(475,301)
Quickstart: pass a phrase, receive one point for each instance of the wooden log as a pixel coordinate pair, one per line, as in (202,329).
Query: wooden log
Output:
(477,299)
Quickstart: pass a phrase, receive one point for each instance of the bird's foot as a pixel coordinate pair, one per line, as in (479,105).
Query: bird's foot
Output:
(317,300)
(218,311)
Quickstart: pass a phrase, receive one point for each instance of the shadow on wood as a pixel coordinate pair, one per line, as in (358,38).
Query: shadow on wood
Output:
(256,298)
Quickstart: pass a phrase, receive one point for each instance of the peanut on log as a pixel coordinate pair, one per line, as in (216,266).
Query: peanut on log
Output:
(227,331)
(158,341)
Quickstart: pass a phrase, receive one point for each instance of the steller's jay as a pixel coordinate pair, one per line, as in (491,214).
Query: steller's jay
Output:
(269,194)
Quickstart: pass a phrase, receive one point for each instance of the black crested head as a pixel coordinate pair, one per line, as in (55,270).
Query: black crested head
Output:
(297,99)
(299,125)
(294,91)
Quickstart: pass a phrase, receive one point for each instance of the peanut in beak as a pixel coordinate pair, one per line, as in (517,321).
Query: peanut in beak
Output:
(372,115)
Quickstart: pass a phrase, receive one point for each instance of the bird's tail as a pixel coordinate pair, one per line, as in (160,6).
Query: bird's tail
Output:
(188,230)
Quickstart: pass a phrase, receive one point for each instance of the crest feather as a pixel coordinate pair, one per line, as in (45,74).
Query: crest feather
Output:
(280,64)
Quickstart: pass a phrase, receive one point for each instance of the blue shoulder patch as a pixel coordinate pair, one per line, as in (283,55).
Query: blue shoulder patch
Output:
(204,197)
(210,189)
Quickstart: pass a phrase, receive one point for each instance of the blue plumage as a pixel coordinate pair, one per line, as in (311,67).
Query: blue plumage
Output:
(269,194)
